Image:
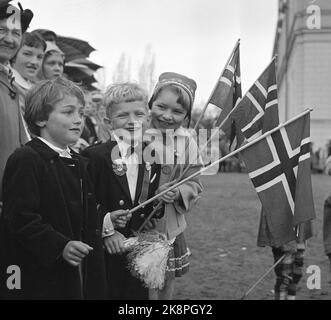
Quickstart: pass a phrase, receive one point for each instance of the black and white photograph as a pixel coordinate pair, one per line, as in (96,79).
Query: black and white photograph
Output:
(165,150)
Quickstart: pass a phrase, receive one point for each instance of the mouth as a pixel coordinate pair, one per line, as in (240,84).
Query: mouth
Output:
(133,129)
(6,47)
(32,69)
(165,123)
(75,130)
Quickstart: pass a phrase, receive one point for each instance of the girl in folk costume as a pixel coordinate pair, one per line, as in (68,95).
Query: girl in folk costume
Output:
(171,106)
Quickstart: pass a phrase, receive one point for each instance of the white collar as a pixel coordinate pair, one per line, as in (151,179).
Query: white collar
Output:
(23,83)
(123,145)
(62,152)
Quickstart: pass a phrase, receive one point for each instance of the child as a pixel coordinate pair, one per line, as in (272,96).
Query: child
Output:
(27,62)
(171,106)
(120,181)
(49,222)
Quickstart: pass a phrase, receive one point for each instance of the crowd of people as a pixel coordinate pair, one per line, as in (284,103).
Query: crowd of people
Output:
(65,216)
(65,199)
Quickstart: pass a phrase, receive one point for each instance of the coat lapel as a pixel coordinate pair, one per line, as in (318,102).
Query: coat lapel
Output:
(140,182)
(121,179)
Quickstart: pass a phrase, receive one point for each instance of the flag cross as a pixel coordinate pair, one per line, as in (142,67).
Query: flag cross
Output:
(262,100)
(284,166)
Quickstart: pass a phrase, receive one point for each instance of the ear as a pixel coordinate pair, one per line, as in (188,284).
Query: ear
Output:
(41,124)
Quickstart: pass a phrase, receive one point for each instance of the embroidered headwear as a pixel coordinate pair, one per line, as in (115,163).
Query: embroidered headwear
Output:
(172,78)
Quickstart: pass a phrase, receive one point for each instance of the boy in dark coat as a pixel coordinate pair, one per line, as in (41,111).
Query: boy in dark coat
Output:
(122,180)
(49,226)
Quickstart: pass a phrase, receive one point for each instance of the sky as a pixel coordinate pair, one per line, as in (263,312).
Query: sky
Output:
(193,37)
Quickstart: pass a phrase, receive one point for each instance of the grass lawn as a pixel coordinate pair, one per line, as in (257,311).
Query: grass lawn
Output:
(221,234)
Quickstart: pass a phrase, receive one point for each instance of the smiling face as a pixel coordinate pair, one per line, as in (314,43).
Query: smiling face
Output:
(28,61)
(166,112)
(64,124)
(130,116)
(53,65)
(10,38)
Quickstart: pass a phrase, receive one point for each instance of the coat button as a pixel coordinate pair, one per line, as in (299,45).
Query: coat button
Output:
(121,202)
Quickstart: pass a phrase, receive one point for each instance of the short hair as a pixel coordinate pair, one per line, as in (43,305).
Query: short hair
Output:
(33,40)
(124,92)
(41,98)
(183,97)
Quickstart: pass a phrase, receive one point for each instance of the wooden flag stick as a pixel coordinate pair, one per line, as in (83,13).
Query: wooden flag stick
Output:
(268,133)
(262,277)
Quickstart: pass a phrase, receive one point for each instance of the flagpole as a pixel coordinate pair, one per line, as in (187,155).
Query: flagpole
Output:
(206,104)
(266,134)
(263,276)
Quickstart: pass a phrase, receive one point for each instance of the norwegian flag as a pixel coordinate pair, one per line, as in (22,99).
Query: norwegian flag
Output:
(228,89)
(257,111)
(279,167)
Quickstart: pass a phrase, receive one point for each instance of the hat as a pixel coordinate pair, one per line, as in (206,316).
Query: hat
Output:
(26,15)
(97,96)
(51,46)
(189,85)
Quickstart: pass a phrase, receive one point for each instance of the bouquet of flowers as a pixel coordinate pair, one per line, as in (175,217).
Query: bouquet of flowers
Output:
(148,256)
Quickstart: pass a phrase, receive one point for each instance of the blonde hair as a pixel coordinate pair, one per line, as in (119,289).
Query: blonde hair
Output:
(42,97)
(124,92)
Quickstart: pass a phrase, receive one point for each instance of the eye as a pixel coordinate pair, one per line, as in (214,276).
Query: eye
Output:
(17,33)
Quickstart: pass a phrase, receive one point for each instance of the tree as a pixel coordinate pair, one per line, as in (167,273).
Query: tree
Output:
(146,71)
(122,72)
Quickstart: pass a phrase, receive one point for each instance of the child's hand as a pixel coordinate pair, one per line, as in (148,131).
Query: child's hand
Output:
(171,195)
(119,218)
(75,251)
(114,243)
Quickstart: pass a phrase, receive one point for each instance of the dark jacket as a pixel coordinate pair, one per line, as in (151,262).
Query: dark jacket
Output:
(113,193)
(12,131)
(48,202)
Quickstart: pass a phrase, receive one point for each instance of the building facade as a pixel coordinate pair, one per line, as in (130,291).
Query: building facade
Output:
(303,46)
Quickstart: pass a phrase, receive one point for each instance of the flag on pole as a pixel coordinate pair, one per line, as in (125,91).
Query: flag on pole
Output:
(279,167)
(228,88)
(257,111)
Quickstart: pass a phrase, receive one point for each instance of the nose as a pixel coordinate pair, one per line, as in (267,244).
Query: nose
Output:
(78,118)
(34,60)
(167,115)
(8,38)
(132,119)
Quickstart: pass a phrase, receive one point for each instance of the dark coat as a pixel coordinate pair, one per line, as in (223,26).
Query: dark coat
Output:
(48,202)
(113,193)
